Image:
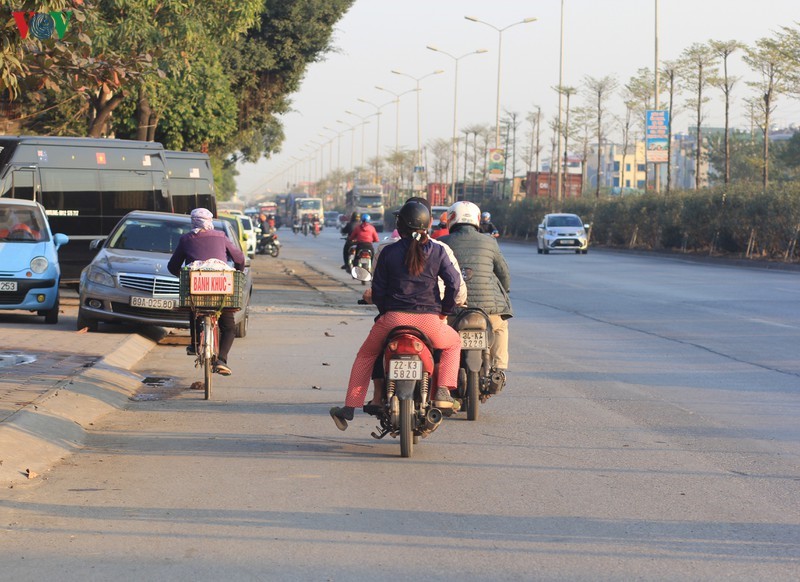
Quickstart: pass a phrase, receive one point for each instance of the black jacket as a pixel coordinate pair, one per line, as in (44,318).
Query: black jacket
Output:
(484,269)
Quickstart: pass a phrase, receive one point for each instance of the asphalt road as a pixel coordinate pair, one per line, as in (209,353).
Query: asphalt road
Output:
(649,431)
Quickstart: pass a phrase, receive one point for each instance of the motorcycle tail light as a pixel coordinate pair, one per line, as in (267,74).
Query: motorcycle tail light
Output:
(393,346)
(417,345)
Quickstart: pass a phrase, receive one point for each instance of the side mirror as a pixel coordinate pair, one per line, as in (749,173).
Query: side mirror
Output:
(361,274)
(96,243)
(541,225)
(60,239)
(587,226)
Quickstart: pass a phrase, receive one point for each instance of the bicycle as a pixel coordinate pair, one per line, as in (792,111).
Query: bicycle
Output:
(206,293)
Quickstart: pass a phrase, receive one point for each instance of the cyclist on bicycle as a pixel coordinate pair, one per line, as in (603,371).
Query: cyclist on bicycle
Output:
(200,244)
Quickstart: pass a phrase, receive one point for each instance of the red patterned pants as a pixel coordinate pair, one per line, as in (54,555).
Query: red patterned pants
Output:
(442,337)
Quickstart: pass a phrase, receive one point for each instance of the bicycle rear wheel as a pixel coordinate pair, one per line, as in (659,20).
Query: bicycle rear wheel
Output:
(208,354)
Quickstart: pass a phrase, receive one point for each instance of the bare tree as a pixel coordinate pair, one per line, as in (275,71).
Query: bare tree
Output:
(723,50)
(598,91)
(627,123)
(767,60)
(697,68)
(581,134)
(669,72)
(562,164)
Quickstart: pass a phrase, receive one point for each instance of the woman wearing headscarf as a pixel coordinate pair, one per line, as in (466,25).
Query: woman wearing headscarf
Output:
(201,244)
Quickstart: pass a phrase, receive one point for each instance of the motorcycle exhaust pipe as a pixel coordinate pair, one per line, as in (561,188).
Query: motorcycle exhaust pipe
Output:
(497,380)
(432,420)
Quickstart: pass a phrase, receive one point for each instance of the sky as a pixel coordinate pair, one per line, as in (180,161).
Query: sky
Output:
(600,37)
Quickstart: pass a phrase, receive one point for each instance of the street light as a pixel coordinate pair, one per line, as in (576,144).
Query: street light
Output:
(417,80)
(397,113)
(352,140)
(499,51)
(455,112)
(364,121)
(377,114)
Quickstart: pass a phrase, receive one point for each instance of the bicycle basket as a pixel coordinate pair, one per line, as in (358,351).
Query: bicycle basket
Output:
(207,297)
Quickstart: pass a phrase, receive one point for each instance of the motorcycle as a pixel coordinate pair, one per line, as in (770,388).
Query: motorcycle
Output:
(269,245)
(316,228)
(408,410)
(477,379)
(304,228)
(365,260)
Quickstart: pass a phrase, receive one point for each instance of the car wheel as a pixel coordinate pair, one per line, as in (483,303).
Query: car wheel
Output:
(241,327)
(577,252)
(584,251)
(51,315)
(85,322)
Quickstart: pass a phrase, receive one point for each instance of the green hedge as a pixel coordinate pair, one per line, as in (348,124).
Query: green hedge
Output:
(740,221)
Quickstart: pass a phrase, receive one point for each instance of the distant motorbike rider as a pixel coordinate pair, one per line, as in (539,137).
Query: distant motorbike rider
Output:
(363,235)
(355,220)
(485,272)
(486,226)
(201,244)
(405,291)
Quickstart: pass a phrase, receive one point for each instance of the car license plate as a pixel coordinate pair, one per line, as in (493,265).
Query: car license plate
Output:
(473,340)
(152,303)
(405,370)
(8,285)
(211,283)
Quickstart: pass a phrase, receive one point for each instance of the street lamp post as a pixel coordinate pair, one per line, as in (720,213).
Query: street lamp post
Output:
(377,114)
(417,81)
(364,121)
(396,133)
(455,114)
(499,51)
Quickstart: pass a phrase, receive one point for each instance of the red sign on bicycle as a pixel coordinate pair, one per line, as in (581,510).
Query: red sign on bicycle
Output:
(211,283)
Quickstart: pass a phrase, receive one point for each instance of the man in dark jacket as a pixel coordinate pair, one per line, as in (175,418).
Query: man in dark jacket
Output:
(485,272)
(201,244)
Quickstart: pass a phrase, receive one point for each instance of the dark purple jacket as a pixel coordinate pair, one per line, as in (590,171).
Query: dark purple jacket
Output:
(204,245)
(395,289)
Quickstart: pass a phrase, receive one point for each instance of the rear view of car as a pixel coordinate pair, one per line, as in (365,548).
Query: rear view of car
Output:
(29,269)
(562,232)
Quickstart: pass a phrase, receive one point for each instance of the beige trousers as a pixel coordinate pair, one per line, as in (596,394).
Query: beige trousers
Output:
(500,345)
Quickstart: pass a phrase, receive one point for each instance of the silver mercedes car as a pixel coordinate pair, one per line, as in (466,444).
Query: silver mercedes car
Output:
(128,281)
(562,232)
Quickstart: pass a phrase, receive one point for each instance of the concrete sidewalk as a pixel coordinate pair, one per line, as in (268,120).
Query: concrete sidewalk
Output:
(54,383)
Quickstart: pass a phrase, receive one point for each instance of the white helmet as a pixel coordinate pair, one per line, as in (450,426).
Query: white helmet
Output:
(463,212)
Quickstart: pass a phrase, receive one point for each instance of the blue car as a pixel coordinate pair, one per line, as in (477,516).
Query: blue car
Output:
(29,271)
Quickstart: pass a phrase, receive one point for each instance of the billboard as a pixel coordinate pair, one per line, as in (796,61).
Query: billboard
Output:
(496,164)
(657,136)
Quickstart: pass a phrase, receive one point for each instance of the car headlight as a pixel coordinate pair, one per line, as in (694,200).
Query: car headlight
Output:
(552,233)
(99,276)
(39,265)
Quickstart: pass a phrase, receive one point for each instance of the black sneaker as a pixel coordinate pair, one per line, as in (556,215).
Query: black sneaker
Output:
(190,351)
(443,398)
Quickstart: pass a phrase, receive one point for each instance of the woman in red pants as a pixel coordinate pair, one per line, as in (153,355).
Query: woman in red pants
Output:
(405,291)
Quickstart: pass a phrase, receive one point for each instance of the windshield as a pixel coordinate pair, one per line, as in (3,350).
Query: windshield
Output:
(309,204)
(564,221)
(22,223)
(370,201)
(148,235)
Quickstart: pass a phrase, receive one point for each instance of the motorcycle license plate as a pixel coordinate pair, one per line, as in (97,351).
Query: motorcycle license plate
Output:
(473,340)
(405,370)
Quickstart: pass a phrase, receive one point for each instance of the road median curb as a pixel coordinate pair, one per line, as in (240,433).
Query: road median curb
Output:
(55,425)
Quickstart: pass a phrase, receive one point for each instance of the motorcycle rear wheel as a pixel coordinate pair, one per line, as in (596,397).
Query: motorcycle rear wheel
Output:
(406,436)
(273,251)
(473,395)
